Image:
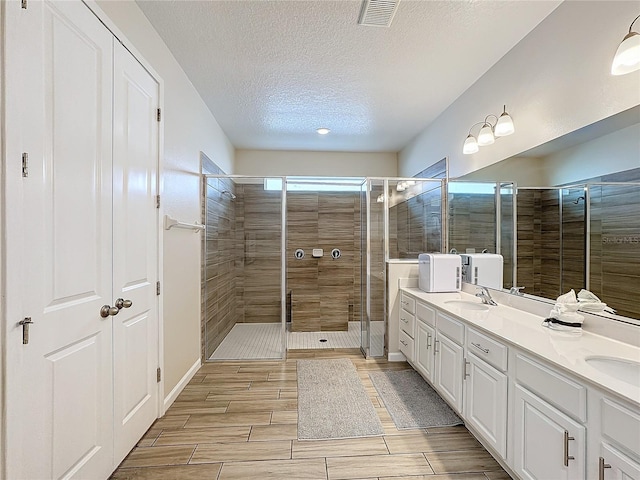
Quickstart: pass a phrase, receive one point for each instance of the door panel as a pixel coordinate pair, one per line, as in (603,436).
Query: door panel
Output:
(539,440)
(486,403)
(135,249)
(59,385)
(449,371)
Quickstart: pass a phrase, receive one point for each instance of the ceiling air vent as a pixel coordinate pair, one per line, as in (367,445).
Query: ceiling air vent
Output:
(378,13)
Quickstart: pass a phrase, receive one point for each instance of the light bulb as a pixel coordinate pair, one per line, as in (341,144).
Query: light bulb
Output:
(400,187)
(485,137)
(380,198)
(504,126)
(627,58)
(470,145)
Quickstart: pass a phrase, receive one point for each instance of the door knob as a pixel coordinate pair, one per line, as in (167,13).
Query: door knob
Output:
(108,310)
(122,303)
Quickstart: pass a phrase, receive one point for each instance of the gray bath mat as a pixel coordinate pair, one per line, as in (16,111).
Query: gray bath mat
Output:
(411,401)
(332,402)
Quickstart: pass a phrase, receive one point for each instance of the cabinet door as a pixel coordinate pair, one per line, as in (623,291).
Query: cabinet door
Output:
(449,363)
(425,335)
(547,443)
(59,386)
(135,328)
(618,465)
(486,402)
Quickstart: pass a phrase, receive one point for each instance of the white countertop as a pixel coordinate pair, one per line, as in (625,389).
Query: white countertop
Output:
(525,331)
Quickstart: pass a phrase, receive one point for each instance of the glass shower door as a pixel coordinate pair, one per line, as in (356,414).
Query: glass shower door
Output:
(243,264)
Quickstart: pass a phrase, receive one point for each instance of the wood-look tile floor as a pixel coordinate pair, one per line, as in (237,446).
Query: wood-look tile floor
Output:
(238,420)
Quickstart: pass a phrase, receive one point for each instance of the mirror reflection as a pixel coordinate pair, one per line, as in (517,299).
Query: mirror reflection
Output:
(577,214)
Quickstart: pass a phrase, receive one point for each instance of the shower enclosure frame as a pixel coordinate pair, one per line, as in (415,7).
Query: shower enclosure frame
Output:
(283,244)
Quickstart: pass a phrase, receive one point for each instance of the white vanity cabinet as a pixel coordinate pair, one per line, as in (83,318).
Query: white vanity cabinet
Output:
(536,416)
(407,322)
(485,389)
(549,437)
(617,454)
(449,359)
(425,338)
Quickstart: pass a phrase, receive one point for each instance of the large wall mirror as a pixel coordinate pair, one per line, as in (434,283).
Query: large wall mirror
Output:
(578,213)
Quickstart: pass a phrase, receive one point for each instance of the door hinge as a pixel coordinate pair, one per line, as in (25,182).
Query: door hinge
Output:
(24,4)
(25,164)
(159,115)
(158,375)
(158,288)
(157,201)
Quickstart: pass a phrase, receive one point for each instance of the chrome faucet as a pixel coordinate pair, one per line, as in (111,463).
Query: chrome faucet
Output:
(484,294)
(516,291)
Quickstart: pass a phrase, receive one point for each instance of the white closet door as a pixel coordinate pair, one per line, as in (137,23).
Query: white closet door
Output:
(135,257)
(59,385)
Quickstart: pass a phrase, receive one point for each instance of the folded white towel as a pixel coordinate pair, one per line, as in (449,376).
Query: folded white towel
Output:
(564,316)
(589,302)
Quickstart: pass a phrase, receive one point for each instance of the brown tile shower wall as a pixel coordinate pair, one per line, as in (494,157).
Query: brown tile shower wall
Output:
(325,293)
(615,247)
(219,266)
(415,226)
(257,243)
(472,220)
(538,226)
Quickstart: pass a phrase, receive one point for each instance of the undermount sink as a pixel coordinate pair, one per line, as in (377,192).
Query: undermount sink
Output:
(466,305)
(626,370)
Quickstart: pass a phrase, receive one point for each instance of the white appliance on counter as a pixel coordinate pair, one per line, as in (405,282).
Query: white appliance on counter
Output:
(439,272)
(483,269)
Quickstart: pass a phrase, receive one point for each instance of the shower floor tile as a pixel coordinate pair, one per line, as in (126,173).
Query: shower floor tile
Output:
(306,340)
(248,341)
(252,341)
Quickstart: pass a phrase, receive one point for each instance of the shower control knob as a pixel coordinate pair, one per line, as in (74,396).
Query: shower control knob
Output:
(336,253)
(299,254)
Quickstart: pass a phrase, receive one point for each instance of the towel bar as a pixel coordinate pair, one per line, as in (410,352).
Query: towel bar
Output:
(169,223)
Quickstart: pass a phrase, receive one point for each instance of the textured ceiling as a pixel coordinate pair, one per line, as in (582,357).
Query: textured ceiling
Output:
(271,72)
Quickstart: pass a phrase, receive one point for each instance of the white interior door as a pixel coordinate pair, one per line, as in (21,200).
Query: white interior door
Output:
(135,328)
(59,385)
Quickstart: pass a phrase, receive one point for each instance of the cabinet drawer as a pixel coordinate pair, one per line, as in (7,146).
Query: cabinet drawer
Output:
(408,303)
(620,425)
(406,345)
(426,314)
(407,323)
(488,349)
(567,395)
(451,328)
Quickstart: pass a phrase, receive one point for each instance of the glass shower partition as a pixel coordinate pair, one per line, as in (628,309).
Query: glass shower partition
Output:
(481,218)
(372,325)
(613,267)
(244,302)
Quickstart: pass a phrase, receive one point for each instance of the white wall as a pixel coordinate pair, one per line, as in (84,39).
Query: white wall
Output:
(335,164)
(525,171)
(189,128)
(615,152)
(556,80)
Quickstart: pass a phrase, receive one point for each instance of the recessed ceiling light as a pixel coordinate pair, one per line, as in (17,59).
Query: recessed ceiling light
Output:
(323,131)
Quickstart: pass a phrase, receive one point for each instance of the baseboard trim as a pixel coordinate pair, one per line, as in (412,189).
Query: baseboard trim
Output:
(173,394)
(396,357)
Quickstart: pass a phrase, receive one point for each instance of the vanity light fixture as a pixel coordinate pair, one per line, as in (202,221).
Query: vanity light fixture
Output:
(488,132)
(627,57)
(323,131)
